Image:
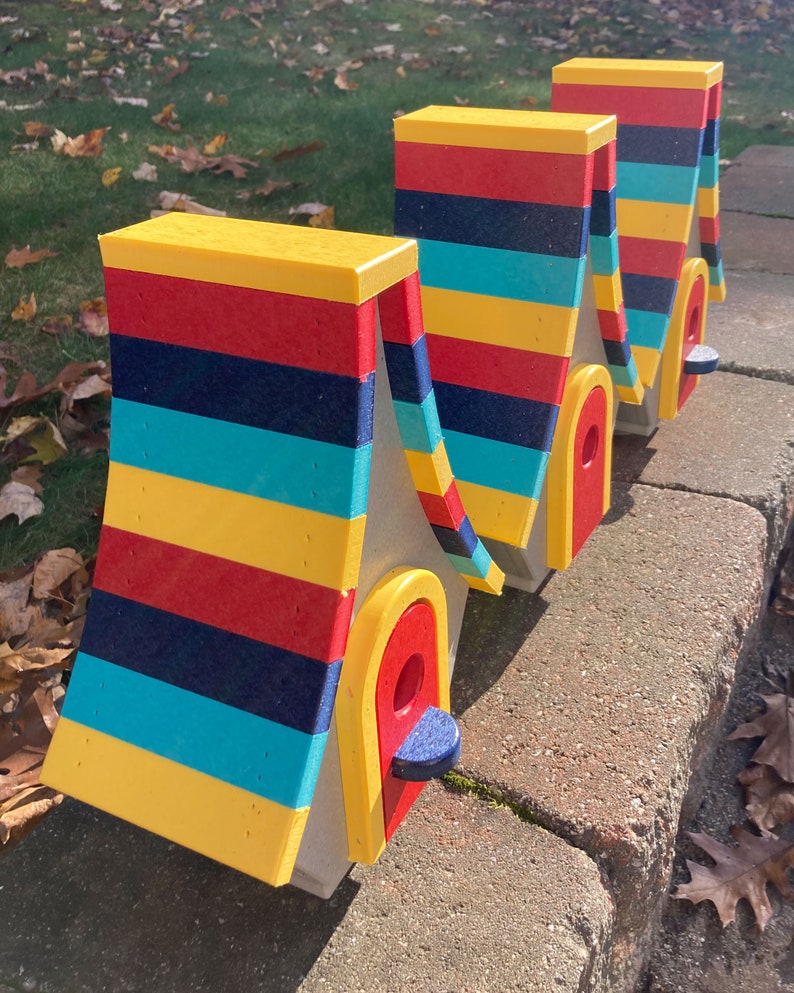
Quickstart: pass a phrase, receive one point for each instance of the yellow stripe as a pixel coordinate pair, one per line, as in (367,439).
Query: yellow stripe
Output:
(518,130)
(708,201)
(660,221)
(497,514)
(608,291)
(311,262)
(492,583)
(431,473)
(535,327)
(630,394)
(235,827)
(677,75)
(647,361)
(288,540)
(717,293)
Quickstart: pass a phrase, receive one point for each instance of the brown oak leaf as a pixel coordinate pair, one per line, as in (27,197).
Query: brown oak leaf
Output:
(776,727)
(19,257)
(768,799)
(742,871)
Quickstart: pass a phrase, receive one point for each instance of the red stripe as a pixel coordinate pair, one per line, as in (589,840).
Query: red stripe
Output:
(605,166)
(649,105)
(446,511)
(494,173)
(715,100)
(289,613)
(400,311)
(511,371)
(651,257)
(613,324)
(709,230)
(322,335)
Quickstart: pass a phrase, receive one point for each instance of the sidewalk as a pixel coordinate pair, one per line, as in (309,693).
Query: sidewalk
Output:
(588,704)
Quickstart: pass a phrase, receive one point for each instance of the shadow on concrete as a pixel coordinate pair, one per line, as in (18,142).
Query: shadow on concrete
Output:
(494,629)
(89,902)
(631,453)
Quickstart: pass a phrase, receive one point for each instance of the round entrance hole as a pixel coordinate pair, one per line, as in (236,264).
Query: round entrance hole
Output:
(590,446)
(408,684)
(693,328)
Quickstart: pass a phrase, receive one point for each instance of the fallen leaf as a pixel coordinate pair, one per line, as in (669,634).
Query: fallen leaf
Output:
(21,500)
(181,201)
(131,101)
(34,129)
(230,163)
(769,800)
(146,172)
(29,475)
(309,208)
(325,219)
(52,569)
(167,118)
(85,146)
(218,100)
(111,176)
(741,871)
(527,102)
(94,317)
(41,435)
(25,310)
(292,153)
(341,82)
(57,325)
(15,610)
(214,146)
(19,257)
(776,726)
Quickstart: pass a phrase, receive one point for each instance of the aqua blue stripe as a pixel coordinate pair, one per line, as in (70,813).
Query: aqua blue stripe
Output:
(477,565)
(303,472)
(623,375)
(604,253)
(716,275)
(497,464)
(500,273)
(418,423)
(647,328)
(252,753)
(709,171)
(656,183)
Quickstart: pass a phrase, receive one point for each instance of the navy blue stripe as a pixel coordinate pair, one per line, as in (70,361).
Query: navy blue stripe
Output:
(602,216)
(711,253)
(617,352)
(648,293)
(461,542)
(539,228)
(711,137)
(409,370)
(661,146)
(318,405)
(270,682)
(529,423)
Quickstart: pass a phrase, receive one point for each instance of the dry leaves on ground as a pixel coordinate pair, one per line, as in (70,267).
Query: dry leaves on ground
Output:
(42,609)
(19,257)
(740,872)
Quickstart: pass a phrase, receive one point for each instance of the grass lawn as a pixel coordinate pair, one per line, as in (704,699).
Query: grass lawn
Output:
(305,92)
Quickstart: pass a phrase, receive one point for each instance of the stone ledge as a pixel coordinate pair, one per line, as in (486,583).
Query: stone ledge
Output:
(590,702)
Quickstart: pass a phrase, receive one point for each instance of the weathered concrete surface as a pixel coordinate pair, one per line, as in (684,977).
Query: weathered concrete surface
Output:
(734,437)
(757,243)
(760,180)
(466,898)
(754,329)
(695,952)
(595,721)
